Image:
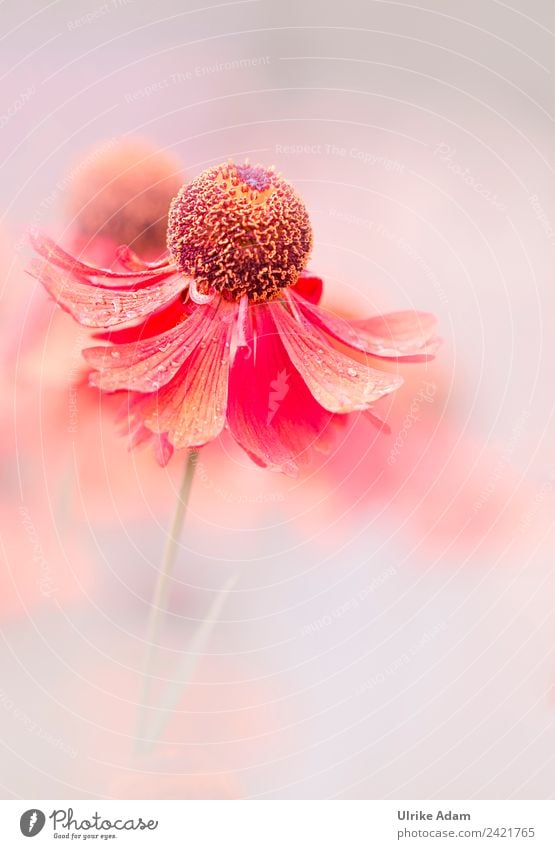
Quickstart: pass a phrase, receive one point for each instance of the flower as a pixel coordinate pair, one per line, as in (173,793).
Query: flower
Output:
(447,492)
(119,192)
(121,188)
(226,329)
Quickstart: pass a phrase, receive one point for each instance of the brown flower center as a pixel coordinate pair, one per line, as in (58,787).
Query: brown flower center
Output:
(239,229)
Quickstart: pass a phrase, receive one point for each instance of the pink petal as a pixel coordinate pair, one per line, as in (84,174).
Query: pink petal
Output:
(140,436)
(149,363)
(378,422)
(163,449)
(191,408)
(395,334)
(154,324)
(98,297)
(406,333)
(309,286)
(271,413)
(242,321)
(129,259)
(49,250)
(99,306)
(339,383)
(196,296)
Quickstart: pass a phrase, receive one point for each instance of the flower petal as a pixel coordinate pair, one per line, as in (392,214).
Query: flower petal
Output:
(163,449)
(129,259)
(155,323)
(149,363)
(49,250)
(271,413)
(99,297)
(395,334)
(101,306)
(407,333)
(378,422)
(159,442)
(191,408)
(309,286)
(337,382)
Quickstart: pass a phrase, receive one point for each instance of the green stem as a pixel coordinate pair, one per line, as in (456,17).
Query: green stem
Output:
(160,596)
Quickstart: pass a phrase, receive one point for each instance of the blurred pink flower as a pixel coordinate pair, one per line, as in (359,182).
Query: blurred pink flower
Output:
(229,328)
(118,190)
(119,193)
(442,487)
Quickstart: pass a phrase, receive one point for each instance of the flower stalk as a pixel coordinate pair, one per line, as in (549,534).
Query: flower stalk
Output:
(159,600)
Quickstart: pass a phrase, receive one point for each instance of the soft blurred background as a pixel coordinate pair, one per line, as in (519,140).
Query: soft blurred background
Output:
(382,626)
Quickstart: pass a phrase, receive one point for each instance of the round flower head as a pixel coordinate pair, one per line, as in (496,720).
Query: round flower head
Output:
(119,194)
(240,230)
(226,331)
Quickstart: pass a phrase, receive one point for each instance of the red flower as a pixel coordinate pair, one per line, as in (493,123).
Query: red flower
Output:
(226,329)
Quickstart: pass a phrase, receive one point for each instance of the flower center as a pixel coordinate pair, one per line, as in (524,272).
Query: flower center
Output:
(239,229)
